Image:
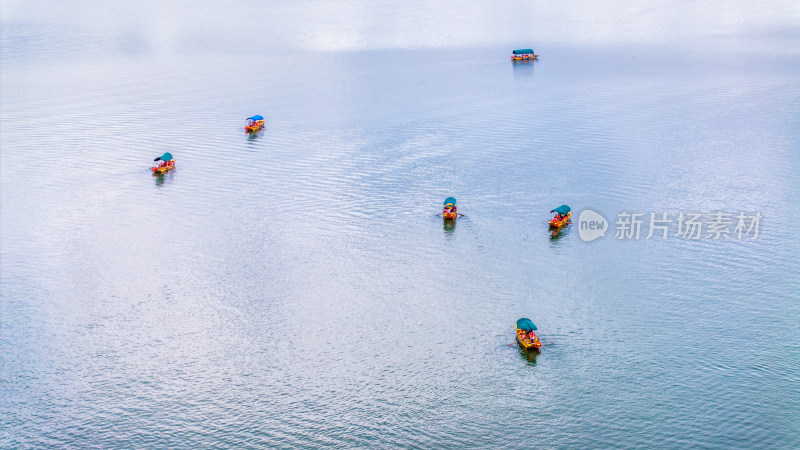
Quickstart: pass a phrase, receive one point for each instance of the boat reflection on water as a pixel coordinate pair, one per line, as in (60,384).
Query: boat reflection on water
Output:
(253,135)
(557,235)
(449,225)
(523,68)
(160,178)
(529,356)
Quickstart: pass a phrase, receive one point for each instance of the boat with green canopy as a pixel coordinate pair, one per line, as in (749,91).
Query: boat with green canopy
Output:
(450,210)
(561,217)
(167,163)
(523,54)
(526,335)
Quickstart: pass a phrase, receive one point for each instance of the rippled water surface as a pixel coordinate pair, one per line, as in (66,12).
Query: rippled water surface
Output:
(295,288)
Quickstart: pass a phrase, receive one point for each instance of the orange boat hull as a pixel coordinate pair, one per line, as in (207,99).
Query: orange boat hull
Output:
(162,169)
(255,126)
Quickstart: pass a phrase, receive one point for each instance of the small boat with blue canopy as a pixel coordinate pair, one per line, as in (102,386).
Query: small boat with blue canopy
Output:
(561,217)
(450,210)
(167,163)
(254,123)
(523,54)
(526,335)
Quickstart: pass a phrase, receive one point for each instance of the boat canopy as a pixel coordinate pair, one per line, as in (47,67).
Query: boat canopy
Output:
(526,325)
(164,157)
(523,51)
(563,209)
(450,200)
(256,117)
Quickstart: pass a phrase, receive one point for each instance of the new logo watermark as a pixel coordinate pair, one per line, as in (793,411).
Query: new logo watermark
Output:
(591,225)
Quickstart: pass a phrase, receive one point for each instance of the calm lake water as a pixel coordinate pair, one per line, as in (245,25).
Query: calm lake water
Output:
(296,288)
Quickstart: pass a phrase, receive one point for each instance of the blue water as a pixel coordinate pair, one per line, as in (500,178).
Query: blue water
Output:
(296,288)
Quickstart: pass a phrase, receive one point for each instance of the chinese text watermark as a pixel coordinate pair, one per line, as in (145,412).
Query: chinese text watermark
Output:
(685,225)
(716,225)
